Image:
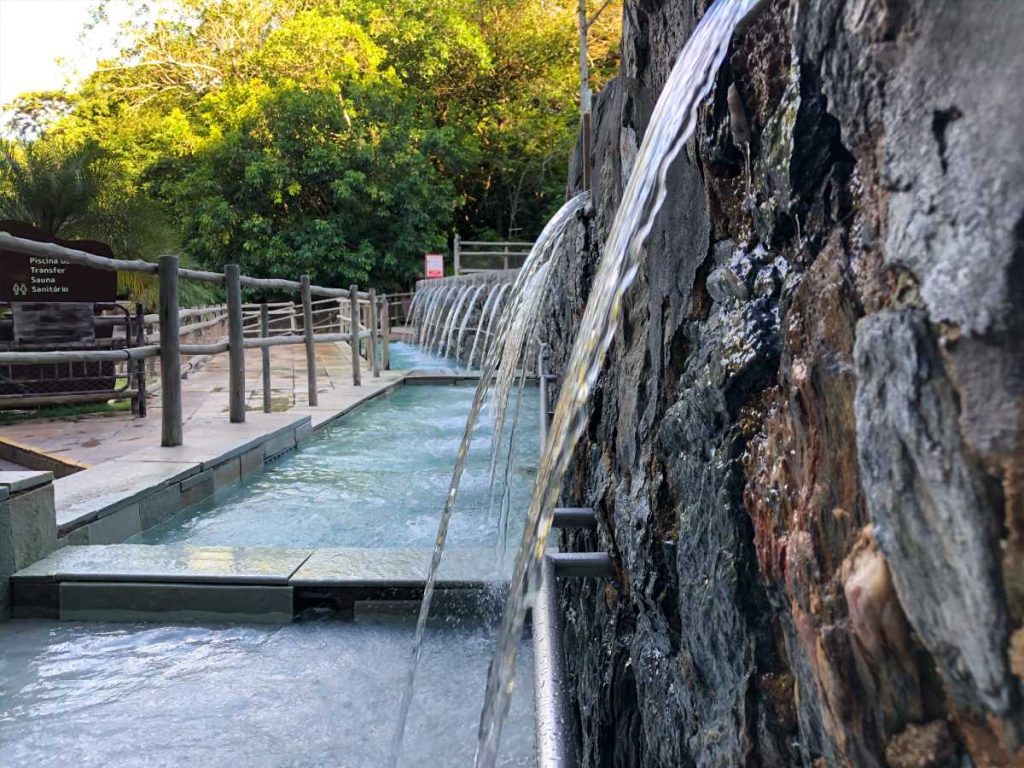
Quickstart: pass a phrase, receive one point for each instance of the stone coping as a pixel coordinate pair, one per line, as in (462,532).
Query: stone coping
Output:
(356,567)
(172,564)
(327,567)
(94,493)
(34,458)
(12,483)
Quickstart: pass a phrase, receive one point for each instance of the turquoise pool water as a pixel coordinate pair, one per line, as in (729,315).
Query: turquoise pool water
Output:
(406,357)
(318,693)
(376,478)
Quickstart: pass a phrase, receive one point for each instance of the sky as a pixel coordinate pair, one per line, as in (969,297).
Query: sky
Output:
(33,34)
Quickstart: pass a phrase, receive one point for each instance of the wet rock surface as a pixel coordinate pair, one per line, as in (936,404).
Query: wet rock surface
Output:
(806,450)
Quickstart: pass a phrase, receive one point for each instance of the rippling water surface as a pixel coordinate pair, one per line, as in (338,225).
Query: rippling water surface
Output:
(377,478)
(313,693)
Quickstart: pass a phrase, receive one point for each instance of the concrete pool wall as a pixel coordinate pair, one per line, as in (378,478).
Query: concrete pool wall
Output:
(28,530)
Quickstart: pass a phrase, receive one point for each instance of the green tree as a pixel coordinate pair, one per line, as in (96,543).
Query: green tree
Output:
(340,137)
(49,184)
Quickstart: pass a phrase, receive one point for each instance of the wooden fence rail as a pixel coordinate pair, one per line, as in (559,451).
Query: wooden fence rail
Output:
(477,250)
(356,315)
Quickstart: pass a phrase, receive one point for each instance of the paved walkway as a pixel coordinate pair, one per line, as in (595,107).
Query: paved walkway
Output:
(98,438)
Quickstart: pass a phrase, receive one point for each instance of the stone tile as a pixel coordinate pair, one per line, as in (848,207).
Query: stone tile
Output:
(198,479)
(277,445)
(157,507)
(395,567)
(35,599)
(19,482)
(33,526)
(169,563)
(227,473)
(127,601)
(303,431)
(77,537)
(251,461)
(197,488)
(6,560)
(116,527)
(85,496)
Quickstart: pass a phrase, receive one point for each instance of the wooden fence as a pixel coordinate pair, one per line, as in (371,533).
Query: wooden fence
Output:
(361,318)
(471,256)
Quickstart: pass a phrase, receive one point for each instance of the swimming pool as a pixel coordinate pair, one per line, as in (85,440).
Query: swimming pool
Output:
(313,693)
(406,357)
(376,478)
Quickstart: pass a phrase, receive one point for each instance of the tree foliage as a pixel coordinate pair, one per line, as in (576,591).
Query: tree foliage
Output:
(343,138)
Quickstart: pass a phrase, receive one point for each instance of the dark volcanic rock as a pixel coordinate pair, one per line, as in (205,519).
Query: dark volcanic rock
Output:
(806,451)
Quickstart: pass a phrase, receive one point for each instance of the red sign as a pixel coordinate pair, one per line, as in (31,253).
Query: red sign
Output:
(435,265)
(42,279)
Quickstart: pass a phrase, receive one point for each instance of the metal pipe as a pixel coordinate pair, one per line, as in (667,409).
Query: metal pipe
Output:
(555,739)
(574,517)
(582,565)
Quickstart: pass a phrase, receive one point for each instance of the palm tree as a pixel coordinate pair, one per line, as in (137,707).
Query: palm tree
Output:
(74,191)
(49,184)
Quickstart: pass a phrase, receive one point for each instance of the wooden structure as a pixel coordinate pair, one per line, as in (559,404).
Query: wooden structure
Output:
(471,256)
(347,310)
(50,305)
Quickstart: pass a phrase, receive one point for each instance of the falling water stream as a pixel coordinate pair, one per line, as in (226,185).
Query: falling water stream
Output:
(671,125)
(537,259)
(464,326)
(492,300)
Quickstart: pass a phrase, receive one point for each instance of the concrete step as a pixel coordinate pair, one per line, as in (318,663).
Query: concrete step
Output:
(140,582)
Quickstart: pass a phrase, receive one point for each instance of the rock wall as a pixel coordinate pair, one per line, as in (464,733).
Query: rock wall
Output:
(807,448)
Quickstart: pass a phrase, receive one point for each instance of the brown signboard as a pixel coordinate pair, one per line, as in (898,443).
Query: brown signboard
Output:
(40,279)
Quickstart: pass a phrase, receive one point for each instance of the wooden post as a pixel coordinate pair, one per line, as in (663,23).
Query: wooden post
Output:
(170,354)
(374,334)
(385,348)
(307,328)
(265,332)
(366,324)
(457,255)
(140,365)
(354,315)
(236,343)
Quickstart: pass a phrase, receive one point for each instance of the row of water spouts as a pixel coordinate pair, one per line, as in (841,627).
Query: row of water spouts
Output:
(671,125)
(440,317)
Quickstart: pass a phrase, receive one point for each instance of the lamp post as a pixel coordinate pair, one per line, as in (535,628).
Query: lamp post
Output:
(585,23)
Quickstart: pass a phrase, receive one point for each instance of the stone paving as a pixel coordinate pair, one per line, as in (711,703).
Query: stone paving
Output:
(97,438)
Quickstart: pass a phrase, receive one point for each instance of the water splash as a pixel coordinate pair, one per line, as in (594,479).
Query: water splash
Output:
(554,229)
(464,326)
(671,125)
(493,298)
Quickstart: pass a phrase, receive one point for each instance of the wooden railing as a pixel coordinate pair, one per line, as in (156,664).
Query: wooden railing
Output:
(399,305)
(472,256)
(361,318)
